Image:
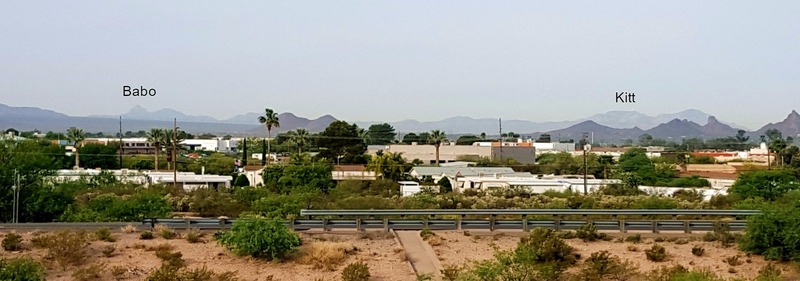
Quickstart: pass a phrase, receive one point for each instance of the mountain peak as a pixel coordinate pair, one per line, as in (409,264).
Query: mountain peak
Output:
(794,115)
(712,120)
(137,109)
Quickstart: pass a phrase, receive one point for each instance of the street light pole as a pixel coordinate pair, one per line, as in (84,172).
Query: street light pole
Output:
(585,167)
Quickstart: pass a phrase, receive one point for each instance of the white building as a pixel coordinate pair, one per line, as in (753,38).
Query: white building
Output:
(218,145)
(187,180)
(529,182)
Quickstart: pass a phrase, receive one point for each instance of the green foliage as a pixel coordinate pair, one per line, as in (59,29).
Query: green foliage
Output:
(543,246)
(636,238)
(444,185)
(381,134)
(102,156)
(146,235)
(688,194)
(284,205)
(21,269)
(111,207)
(66,247)
(357,271)
(194,236)
(769,184)
(693,181)
(341,139)
(655,202)
(621,190)
(207,202)
(389,165)
(89,272)
(215,164)
(703,159)
(12,242)
(241,180)
(775,233)
(285,178)
(259,237)
(588,232)
(657,253)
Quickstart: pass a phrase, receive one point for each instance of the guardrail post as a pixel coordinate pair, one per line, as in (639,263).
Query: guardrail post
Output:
(188,224)
(458,222)
(687,228)
(557,221)
(525,223)
(358,225)
(386,225)
(623,227)
(491,222)
(655,226)
(152,223)
(324,224)
(425,223)
(222,223)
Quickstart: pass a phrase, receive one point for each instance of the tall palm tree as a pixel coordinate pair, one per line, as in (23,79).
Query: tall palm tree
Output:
(172,141)
(300,138)
(157,137)
(364,135)
(76,137)
(270,120)
(436,138)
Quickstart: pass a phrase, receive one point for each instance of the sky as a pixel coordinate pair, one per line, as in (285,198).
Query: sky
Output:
(396,60)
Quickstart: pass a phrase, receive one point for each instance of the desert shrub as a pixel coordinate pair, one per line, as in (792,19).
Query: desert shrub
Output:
(588,232)
(774,232)
(603,266)
(12,242)
(680,273)
(689,194)
(89,272)
(658,239)
(732,261)
(636,238)
(165,232)
(698,250)
(426,233)
(108,251)
(769,272)
(66,247)
(541,251)
(146,235)
(194,236)
(203,274)
(160,247)
(451,272)
(681,242)
(129,228)
(424,277)
(118,272)
(21,269)
(633,248)
(259,237)
(655,202)
(566,234)
(170,258)
(357,271)
(325,254)
(104,234)
(656,253)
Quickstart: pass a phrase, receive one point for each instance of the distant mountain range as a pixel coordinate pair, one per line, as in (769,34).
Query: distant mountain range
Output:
(609,127)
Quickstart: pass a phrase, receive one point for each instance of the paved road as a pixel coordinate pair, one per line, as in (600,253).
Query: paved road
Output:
(420,253)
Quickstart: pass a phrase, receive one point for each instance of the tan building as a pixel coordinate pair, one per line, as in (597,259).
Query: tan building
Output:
(521,152)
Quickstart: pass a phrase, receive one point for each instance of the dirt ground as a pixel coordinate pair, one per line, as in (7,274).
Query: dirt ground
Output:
(458,248)
(385,258)
(376,250)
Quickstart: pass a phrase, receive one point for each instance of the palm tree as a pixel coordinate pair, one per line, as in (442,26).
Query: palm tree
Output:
(364,135)
(157,137)
(270,120)
(76,137)
(436,138)
(300,138)
(605,161)
(172,141)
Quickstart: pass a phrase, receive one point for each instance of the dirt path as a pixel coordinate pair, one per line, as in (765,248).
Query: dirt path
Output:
(420,254)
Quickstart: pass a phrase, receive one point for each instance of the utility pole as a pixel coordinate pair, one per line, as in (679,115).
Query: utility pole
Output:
(500,120)
(15,188)
(174,147)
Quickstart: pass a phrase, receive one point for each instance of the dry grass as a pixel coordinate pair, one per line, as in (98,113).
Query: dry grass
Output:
(130,228)
(325,254)
(435,241)
(401,253)
(161,247)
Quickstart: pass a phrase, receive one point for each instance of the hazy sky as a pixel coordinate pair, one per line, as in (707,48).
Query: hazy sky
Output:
(393,60)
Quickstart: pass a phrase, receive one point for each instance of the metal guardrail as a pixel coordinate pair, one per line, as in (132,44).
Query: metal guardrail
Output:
(495,212)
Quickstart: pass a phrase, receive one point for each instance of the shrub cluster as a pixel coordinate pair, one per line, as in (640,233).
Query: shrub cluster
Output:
(259,237)
(357,271)
(12,242)
(22,269)
(656,253)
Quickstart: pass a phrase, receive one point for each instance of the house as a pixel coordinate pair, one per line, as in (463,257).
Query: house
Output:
(523,152)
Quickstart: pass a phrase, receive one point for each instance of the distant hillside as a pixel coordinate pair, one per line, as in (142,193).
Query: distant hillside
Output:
(789,126)
(31,118)
(600,133)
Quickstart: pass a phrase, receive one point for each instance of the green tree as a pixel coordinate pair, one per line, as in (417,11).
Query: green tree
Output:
(436,138)
(340,142)
(411,138)
(299,137)
(76,137)
(774,233)
(606,161)
(388,165)
(467,139)
(645,140)
(260,238)
(544,138)
(381,134)
(100,156)
(769,185)
(156,137)
(270,120)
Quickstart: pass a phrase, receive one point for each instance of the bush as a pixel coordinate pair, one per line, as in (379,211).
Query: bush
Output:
(542,246)
(698,250)
(773,233)
(603,266)
(566,234)
(733,261)
(769,184)
(108,251)
(259,237)
(451,272)
(193,236)
(588,232)
(12,242)
(146,235)
(635,239)
(104,234)
(657,253)
(170,258)
(21,269)
(324,254)
(769,273)
(66,247)
(357,271)
(165,232)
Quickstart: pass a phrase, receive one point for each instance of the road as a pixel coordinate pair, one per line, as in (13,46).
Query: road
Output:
(420,254)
